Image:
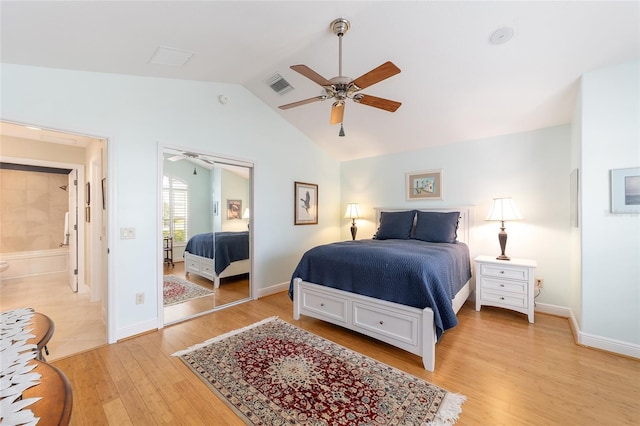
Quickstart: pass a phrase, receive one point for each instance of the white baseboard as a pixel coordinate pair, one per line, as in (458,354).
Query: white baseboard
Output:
(610,345)
(139,328)
(559,311)
(590,340)
(276,288)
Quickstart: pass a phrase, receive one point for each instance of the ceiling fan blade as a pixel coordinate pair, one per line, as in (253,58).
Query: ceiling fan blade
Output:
(311,75)
(376,75)
(376,102)
(303,102)
(175,158)
(337,112)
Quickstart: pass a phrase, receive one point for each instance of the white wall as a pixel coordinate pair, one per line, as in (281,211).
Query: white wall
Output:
(531,167)
(610,139)
(135,114)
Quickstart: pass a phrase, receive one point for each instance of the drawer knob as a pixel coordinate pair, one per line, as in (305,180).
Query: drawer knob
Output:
(322,304)
(502,272)
(381,322)
(502,298)
(501,285)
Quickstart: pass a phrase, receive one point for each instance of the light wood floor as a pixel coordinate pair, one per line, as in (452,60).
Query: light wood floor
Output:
(512,372)
(78,321)
(231,290)
(79,325)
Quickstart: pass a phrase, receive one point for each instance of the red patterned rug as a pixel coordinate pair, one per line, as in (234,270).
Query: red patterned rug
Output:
(273,373)
(177,290)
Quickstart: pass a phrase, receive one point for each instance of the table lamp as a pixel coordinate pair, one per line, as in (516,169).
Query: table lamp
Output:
(352,213)
(502,210)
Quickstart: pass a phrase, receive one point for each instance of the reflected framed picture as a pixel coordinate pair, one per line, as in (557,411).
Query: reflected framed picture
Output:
(87,195)
(625,190)
(234,209)
(87,214)
(426,185)
(305,203)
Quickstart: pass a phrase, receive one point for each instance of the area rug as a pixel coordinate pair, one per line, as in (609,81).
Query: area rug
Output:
(273,373)
(178,290)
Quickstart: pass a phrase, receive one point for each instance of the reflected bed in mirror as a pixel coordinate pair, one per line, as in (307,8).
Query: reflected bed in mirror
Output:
(202,196)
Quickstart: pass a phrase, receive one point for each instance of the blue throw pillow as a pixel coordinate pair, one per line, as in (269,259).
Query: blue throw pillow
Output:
(436,227)
(395,225)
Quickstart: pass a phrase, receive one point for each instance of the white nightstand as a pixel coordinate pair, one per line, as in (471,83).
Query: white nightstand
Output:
(505,283)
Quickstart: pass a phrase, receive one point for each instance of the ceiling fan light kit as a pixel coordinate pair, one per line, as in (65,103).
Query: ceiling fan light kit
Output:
(341,87)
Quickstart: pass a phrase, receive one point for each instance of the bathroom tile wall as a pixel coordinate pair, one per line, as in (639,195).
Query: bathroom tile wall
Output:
(32,210)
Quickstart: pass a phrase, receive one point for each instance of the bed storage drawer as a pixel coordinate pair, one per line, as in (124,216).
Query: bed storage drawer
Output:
(394,325)
(193,265)
(332,308)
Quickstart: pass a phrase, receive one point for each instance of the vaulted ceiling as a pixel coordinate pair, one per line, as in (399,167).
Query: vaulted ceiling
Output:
(454,85)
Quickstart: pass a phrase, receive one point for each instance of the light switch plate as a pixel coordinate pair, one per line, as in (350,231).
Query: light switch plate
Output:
(127,233)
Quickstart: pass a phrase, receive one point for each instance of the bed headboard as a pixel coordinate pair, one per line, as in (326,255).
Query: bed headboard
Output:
(465,224)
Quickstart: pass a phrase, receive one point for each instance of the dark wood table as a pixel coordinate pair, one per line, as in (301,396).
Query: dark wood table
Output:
(54,407)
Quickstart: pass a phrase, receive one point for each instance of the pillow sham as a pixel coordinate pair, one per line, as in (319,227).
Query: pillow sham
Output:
(395,225)
(437,227)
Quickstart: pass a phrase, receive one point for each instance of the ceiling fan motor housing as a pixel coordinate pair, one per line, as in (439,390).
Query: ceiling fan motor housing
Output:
(340,26)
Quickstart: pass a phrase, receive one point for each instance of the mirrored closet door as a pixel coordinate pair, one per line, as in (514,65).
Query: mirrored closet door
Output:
(206,235)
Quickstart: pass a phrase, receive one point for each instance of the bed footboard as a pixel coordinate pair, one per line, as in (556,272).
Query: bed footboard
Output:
(204,267)
(405,327)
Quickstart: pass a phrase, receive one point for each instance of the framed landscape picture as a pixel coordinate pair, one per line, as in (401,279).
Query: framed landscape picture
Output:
(625,190)
(425,185)
(306,203)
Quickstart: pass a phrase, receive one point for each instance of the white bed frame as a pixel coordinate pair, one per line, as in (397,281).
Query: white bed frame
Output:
(205,267)
(405,327)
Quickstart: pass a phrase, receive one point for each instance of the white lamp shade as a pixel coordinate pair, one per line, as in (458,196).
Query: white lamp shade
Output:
(246,214)
(503,209)
(352,211)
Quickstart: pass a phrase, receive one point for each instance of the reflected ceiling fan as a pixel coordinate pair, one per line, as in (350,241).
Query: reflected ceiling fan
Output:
(189,155)
(341,87)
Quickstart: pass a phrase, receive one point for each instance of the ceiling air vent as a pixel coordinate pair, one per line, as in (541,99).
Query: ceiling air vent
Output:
(279,84)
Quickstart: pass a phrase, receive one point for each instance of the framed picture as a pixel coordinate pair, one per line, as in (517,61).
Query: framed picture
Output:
(424,185)
(306,203)
(625,190)
(234,209)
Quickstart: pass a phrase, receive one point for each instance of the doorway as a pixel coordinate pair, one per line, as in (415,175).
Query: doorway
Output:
(63,294)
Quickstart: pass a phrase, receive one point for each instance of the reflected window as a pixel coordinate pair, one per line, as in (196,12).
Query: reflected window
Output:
(175,209)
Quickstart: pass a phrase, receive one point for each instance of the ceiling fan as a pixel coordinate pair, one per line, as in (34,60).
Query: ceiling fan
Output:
(189,155)
(342,87)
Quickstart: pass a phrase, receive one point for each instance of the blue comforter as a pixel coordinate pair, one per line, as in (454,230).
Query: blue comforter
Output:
(409,272)
(229,247)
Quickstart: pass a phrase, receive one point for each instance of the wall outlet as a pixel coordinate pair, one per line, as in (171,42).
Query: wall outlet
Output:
(139,298)
(539,283)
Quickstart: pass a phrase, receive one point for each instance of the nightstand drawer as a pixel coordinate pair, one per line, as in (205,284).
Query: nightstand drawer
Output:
(504,298)
(505,272)
(517,287)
